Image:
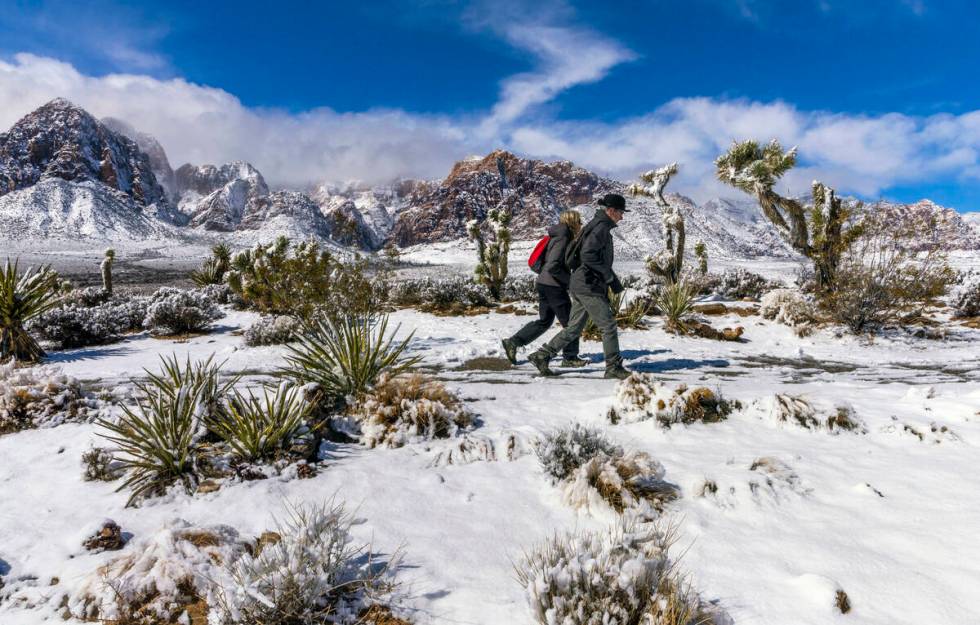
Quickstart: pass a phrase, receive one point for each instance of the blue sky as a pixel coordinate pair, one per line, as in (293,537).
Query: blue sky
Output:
(880,95)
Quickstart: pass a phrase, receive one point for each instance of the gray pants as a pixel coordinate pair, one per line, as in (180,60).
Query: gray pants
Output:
(584,306)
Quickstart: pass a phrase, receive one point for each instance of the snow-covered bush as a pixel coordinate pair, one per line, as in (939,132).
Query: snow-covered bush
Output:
(257,428)
(400,409)
(789,307)
(620,481)
(272,330)
(167,577)
(73,325)
(641,397)
(173,311)
(314,573)
(619,576)
(88,296)
(100,465)
(966,300)
(522,288)
(798,410)
(41,396)
(562,451)
(439,295)
(739,283)
(343,357)
(218,293)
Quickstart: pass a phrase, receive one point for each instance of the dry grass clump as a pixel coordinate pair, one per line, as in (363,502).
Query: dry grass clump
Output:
(623,575)
(40,397)
(789,307)
(469,448)
(403,408)
(842,602)
(622,481)
(100,465)
(640,397)
(800,411)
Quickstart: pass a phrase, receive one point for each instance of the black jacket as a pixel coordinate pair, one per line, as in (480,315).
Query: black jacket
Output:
(554,272)
(595,274)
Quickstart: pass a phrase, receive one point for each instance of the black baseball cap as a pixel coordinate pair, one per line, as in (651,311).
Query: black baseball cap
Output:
(614,200)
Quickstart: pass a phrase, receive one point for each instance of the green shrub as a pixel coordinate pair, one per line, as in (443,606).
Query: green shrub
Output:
(345,356)
(22,297)
(257,427)
(675,302)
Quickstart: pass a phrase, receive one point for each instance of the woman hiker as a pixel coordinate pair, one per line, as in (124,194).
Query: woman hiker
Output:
(553,300)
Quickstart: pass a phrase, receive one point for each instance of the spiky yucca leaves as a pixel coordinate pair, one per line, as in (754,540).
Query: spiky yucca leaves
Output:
(669,261)
(214,268)
(200,378)
(257,427)
(675,302)
(345,356)
(629,314)
(22,297)
(155,440)
(817,232)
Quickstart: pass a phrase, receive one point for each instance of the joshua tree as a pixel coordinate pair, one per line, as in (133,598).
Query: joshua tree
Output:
(23,296)
(491,266)
(701,252)
(110,255)
(816,232)
(668,262)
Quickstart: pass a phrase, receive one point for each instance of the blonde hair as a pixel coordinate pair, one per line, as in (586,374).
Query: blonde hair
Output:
(573,220)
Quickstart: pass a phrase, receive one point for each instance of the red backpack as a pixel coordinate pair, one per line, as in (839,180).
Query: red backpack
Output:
(536,260)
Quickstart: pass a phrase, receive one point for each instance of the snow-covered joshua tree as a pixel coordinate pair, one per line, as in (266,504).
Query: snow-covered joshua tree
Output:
(822,238)
(667,262)
(491,266)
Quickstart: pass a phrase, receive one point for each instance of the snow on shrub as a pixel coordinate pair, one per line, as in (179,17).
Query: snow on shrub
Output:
(506,445)
(406,408)
(640,397)
(562,451)
(618,576)
(966,300)
(173,311)
(166,577)
(79,326)
(272,330)
(739,283)
(443,294)
(801,411)
(522,288)
(632,480)
(789,307)
(41,396)
(100,465)
(314,573)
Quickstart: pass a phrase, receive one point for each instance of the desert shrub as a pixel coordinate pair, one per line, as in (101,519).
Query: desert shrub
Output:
(344,357)
(675,302)
(173,311)
(272,330)
(88,296)
(214,268)
(72,325)
(24,296)
(523,288)
(622,575)
(217,293)
(624,480)
(879,279)
(800,411)
(640,397)
(439,295)
(100,465)
(302,280)
(966,300)
(403,408)
(167,577)
(739,283)
(256,428)
(40,397)
(155,441)
(789,307)
(562,451)
(314,573)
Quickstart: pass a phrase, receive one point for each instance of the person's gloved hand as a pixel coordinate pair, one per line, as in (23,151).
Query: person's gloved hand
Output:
(616,285)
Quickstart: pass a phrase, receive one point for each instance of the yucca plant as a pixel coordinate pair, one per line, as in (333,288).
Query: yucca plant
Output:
(675,302)
(629,314)
(201,377)
(22,297)
(155,441)
(256,427)
(345,356)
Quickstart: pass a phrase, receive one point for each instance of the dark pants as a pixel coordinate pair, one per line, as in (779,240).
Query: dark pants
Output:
(553,302)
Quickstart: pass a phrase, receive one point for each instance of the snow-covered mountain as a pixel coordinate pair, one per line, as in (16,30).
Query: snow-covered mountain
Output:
(159,162)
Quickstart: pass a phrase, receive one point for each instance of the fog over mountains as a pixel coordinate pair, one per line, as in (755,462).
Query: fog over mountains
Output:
(65,175)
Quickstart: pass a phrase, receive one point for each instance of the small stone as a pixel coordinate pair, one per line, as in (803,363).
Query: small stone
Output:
(732,334)
(305,471)
(711,308)
(108,538)
(207,486)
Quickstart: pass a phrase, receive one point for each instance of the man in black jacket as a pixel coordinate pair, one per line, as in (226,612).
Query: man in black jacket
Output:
(552,287)
(589,287)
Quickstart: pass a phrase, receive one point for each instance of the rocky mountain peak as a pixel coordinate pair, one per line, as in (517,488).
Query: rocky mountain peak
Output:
(62,140)
(153,150)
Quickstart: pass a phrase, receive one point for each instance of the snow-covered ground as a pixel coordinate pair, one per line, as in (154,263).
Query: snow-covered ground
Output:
(885,515)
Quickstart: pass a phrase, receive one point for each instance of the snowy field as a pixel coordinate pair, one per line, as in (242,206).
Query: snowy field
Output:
(888,515)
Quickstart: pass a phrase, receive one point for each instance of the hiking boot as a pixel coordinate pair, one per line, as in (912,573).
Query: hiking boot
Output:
(510,350)
(540,360)
(574,362)
(617,372)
